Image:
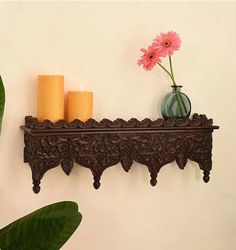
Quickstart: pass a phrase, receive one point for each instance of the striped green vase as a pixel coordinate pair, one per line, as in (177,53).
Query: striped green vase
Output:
(176,104)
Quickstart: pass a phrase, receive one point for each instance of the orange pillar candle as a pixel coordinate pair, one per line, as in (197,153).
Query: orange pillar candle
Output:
(79,105)
(50,97)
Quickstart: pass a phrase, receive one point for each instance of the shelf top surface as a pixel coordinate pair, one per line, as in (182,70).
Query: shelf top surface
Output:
(197,123)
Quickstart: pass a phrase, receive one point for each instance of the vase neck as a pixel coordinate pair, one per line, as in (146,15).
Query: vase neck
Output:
(176,88)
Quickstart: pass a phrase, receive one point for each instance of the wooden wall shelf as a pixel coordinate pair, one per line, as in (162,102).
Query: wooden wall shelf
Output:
(99,145)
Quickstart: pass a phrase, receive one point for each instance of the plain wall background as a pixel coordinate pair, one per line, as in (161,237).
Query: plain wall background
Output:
(96,44)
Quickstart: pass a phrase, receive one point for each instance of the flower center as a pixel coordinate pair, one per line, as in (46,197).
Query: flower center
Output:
(151,56)
(166,44)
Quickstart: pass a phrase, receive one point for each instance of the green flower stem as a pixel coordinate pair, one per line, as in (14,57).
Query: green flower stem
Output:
(167,72)
(177,93)
(180,102)
(171,69)
(179,98)
(185,109)
(182,106)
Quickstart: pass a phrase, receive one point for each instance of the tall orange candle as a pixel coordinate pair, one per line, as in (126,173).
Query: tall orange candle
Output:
(79,105)
(50,97)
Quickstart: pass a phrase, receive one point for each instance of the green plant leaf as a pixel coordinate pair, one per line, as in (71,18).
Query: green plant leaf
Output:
(2,101)
(45,229)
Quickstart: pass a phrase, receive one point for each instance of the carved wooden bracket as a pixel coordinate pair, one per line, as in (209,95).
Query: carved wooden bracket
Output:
(99,145)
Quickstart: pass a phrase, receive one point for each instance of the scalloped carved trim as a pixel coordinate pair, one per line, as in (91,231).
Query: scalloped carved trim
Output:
(197,120)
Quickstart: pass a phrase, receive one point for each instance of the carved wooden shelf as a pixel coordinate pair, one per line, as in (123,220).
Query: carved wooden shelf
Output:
(99,145)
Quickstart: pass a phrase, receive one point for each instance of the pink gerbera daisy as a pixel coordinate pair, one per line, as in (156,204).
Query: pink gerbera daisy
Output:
(167,43)
(150,57)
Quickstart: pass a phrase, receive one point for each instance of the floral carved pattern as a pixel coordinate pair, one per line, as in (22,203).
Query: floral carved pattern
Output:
(98,149)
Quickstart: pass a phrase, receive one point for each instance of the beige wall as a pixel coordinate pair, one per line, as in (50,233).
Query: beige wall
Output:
(97,44)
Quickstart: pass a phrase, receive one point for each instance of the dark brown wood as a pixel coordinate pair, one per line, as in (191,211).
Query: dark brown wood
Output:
(99,145)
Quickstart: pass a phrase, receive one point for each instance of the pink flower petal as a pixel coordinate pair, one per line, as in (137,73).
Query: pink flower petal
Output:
(167,43)
(150,57)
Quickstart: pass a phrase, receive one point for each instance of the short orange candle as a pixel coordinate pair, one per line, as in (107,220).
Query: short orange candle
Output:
(79,105)
(50,97)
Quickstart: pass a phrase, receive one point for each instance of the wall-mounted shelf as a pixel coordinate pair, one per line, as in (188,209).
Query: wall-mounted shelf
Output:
(99,145)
